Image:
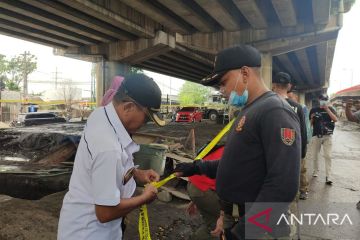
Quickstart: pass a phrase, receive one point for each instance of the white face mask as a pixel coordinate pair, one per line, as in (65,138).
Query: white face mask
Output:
(323,102)
(238,100)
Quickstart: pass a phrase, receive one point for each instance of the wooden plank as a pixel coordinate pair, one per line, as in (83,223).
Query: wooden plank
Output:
(179,158)
(60,155)
(176,193)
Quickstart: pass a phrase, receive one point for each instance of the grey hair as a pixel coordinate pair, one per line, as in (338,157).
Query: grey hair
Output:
(121,96)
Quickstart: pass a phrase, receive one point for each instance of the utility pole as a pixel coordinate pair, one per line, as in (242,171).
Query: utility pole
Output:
(25,54)
(170,93)
(167,103)
(56,77)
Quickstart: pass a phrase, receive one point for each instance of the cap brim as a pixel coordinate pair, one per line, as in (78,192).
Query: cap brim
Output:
(212,79)
(157,118)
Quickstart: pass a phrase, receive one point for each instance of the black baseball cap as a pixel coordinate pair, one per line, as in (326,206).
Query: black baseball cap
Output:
(282,78)
(324,97)
(145,92)
(232,58)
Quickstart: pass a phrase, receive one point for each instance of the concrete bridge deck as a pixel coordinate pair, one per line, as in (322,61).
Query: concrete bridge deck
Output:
(180,37)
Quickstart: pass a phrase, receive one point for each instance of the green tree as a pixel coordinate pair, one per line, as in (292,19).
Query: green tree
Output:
(193,93)
(12,86)
(12,68)
(2,82)
(3,65)
(19,68)
(135,70)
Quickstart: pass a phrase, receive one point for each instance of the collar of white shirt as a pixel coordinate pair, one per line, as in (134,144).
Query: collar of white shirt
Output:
(116,123)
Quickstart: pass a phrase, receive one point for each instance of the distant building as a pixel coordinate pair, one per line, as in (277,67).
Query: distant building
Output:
(167,99)
(10,105)
(62,94)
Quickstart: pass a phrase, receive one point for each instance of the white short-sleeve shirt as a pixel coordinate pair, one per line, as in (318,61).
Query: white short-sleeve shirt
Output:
(103,157)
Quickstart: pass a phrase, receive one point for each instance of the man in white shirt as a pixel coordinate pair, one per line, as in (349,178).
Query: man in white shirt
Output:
(103,180)
(350,115)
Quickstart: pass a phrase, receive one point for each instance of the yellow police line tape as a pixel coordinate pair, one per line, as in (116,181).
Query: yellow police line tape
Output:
(213,142)
(144,229)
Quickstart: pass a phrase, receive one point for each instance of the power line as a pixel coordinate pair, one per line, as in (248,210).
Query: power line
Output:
(167,86)
(60,82)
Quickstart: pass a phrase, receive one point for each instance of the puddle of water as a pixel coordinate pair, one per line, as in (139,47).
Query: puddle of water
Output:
(6,168)
(14,159)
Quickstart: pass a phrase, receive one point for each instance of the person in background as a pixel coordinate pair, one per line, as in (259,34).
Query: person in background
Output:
(350,115)
(281,85)
(293,95)
(304,183)
(323,120)
(201,190)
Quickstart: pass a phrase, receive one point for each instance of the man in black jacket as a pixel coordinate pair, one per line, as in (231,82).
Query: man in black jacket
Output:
(261,160)
(323,118)
(282,85)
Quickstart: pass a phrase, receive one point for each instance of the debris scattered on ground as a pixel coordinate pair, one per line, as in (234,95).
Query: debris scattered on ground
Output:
(164,196)
(36,161)
(4,125)
(182,195)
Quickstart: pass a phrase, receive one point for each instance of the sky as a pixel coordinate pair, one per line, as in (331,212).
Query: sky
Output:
(345,69)
(47,65)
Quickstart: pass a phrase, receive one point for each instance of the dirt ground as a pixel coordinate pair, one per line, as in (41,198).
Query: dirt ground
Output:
(22,219)
(37,220)
(205,131)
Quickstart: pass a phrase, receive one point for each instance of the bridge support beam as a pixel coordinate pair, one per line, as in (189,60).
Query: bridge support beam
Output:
(302,98)
(105,71)
(266,69)
(112,69)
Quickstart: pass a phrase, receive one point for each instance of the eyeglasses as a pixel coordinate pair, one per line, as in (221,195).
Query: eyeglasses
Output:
(147,116)
(144,109)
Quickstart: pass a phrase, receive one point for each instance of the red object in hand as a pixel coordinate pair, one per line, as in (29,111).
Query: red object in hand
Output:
(202,182)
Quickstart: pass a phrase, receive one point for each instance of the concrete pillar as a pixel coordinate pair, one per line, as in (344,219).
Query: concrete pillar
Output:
(105,72)
(266,69)
(302,98)
(99,82)
(112,69)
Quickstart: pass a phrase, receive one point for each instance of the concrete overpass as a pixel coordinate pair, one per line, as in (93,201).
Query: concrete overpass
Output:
(180,37)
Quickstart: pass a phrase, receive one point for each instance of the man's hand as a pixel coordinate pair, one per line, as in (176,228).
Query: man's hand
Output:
(146,176)
(349,104)
(186,169)
(191,209)
(149,194)
(219,226)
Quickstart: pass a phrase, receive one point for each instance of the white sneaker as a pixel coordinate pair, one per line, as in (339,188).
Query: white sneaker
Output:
(315,174)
